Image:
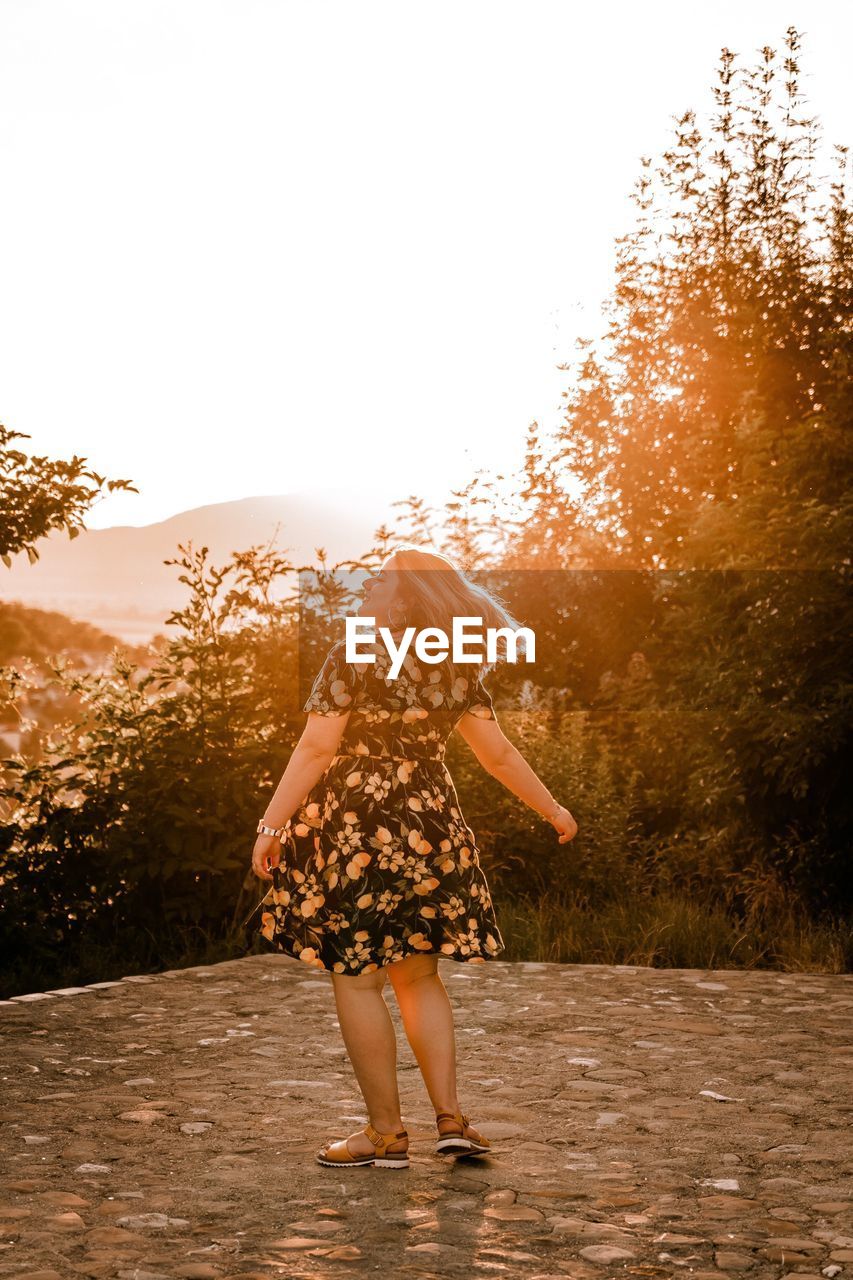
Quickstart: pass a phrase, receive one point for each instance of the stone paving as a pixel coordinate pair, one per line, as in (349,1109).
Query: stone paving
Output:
(646,1122)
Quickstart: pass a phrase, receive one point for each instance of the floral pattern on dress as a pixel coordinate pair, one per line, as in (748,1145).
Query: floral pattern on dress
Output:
(378,862)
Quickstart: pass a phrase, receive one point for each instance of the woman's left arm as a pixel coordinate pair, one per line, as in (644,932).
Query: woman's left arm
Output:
(309,760)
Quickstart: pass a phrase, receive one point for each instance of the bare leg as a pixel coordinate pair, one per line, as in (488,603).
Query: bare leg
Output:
(427,1016)
(368,1034)
(428,1021)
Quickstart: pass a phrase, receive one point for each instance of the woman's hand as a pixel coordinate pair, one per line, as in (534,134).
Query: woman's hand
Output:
(561,820)
(267,850)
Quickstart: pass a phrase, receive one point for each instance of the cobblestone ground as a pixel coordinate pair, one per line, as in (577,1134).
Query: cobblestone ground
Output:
(645,1122)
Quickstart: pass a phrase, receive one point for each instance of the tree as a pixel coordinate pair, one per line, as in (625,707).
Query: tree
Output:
(39,494)
(709,432)
(713,428)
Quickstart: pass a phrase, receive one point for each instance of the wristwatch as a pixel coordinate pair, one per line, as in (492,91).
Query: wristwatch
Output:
(263,830)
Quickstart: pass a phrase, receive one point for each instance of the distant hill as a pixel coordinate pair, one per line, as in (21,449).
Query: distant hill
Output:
(115,578)
(39,634)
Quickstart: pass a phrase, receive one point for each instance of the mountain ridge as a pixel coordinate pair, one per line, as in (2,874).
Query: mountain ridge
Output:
(115,577)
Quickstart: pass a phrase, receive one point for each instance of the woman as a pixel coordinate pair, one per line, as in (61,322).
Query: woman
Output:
(381,875)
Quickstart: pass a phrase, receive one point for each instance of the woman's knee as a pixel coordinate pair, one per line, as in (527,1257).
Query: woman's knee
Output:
(413,969)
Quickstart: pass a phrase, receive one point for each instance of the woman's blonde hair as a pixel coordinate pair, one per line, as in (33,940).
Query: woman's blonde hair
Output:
(433,591)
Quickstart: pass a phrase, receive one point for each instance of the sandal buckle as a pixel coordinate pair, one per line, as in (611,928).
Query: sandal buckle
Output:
(373,1134)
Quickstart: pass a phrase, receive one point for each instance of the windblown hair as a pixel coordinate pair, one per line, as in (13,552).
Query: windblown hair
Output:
(433,591)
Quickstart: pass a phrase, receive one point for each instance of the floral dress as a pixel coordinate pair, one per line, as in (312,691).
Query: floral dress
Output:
(378,862)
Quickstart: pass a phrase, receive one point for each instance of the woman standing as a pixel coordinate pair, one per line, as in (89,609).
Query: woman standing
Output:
(381,875)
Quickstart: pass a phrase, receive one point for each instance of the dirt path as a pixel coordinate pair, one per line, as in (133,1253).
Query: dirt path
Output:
(646,1122)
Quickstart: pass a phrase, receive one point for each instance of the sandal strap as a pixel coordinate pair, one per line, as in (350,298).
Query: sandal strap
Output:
(449,1115)
(382,1139)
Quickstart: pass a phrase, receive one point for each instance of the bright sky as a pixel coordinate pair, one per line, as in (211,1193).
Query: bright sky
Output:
(276,245)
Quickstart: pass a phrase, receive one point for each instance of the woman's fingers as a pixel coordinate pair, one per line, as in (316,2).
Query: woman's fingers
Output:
(566,826)
(267,852)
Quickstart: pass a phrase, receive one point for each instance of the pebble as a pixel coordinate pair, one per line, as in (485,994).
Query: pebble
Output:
(138,1274)
(38,1275)
(606,1254)
(153,1222)
(141,1117)
(513,1213)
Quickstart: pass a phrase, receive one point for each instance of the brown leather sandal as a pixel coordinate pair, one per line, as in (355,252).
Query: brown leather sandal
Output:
(338,1155)
(468,1142)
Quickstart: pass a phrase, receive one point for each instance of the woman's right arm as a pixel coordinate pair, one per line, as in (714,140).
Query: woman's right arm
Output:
(505,762)
(309,760)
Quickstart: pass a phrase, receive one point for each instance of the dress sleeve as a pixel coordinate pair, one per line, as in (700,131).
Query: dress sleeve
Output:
(336,685)
(480,702)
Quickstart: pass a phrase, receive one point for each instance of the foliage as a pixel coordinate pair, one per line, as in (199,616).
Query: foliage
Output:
(38,494)
(135,820)
(709,547)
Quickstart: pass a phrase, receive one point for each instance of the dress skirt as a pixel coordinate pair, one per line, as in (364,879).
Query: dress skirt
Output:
(378,864)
